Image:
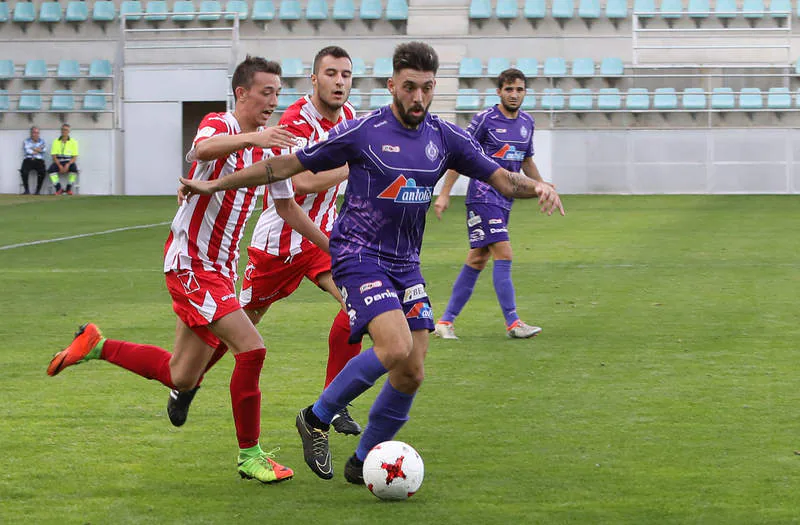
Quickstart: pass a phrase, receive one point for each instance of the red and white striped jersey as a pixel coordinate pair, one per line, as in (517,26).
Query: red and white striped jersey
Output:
(272,234)
(206,230)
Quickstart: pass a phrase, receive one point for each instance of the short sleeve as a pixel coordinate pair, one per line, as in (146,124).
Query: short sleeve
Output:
(340,146)
(476,128)
(212,125)
(465,155)
(283,189)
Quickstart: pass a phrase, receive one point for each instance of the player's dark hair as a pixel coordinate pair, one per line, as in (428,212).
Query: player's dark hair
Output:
(247,69)
(509,76)
(330,51)
(418,56)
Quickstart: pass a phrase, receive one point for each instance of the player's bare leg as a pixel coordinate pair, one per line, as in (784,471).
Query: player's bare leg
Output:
(191,358)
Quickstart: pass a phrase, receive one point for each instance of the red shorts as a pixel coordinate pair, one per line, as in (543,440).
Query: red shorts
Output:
(269,278)
(201,297)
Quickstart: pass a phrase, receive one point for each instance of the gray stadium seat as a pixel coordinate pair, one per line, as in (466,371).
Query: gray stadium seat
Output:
(470,67)
(99,70)
(583,68)
(722,98)
(490,97)
(637,99)
(5,14)
(290,10)
(6,69)
(693,98)
(355,98)
(35,70)
(132,9)
(236,6)
(497,65)
(68,70)
(359,67)
(156,11)
(63,100)
(480,10)
(370,10)
(316,10)
(528,66)
(751,98)
(77,12)
(617,10)
(94,100)
(555,67)
(580,99)
(665,99)
(209,11)
(382,68)
(779,98)
(529,102)
(552,98)
(397,10)
(292,68)
(468,100)
(5,101)
(263,10)
(379,97)
(609,99)
(506,10)
(104,11)
(287,97)
(24,12)
(30,100)
(183,10)
(343,10)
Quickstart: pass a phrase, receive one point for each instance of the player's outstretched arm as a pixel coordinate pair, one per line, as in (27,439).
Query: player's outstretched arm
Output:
(443,200)
(220,146)
(299,221)
(518,186)
(266,171)
(307,182)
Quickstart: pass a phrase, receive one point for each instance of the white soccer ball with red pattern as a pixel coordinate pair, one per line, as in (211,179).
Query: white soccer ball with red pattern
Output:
(393,470)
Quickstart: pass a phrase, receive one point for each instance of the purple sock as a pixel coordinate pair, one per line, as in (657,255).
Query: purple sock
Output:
(357,376)
(462,291)
(504,288)
(388,414)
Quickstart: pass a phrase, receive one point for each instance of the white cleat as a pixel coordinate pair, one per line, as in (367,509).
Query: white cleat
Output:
(521,330)
(445,330)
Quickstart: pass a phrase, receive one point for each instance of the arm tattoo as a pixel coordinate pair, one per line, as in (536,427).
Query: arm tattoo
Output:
(270,175)
(517,184)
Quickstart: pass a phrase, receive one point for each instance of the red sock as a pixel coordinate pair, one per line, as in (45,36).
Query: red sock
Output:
(148,361)
(222,348)
(246,396)
(340,351)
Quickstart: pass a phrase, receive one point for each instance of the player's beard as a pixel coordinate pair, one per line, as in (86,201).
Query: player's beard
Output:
(409,120)
(510,109)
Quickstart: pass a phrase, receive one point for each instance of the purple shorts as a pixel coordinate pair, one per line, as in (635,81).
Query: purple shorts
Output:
(369,290)
(486,224)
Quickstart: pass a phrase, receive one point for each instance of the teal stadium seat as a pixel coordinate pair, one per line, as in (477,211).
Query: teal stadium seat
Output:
(104,11)
(750,98)
(94,100)
(68,70)
(50,13)
(480,10)
(355,98)
(77,12)
(589,9)
(637,99)
(209,11)
(468,100)
(528,66)
(490,97)
(753,9)
(563,9)
(397,10)
(63,100)
(609,99)
(698,10)
(555,67)
(671,9)
(317,10)
(506,10)
(30,100)
(583,68)
(534,10)
(156,11)
(580,99)
(183,11)
(5,101)
(292,68)
(779,98)
(725,10)
(132,9)
(370,10)
(611,67)
(263,10)
(529,103)
(24,12)
(6,70)
(665,99)
(359,67)
(287,97)
(236,6)
(379,97)
(780,9)
(644,8)
(617,10)
(382,68)
(722,98)
(343,10)
(797,67)
(5,14)
(35,70)
(99,69)
(693,99)
(497,65)
(470,67)
(290,10)
(552,99)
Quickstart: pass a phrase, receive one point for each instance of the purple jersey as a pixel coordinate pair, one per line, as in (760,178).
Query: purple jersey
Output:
(392,174)
(508,141)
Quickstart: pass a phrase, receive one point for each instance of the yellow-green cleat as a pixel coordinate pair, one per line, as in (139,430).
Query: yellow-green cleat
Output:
(264,469)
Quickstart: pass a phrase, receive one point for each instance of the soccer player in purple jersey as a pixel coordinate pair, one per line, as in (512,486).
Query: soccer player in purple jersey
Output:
(395,155)
(506,135)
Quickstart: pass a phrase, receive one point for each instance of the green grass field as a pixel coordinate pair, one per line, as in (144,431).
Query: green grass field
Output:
(664,388)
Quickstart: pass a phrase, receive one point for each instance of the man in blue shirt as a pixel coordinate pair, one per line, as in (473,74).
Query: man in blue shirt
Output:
(506,134)
(395,156)
(33,149)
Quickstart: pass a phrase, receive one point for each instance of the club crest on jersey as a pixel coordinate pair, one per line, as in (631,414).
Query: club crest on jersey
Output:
(421,310)
(406,191)
(524,132)
(189,282)
(431,151)
(509,153)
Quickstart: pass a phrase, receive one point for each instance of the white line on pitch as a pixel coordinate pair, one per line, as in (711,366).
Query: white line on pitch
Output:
(79,236)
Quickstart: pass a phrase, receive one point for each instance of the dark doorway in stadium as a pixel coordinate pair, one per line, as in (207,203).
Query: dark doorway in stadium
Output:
(193,113)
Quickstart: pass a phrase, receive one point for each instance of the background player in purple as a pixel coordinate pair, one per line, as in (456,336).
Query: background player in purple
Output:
(506,135)
(396,155)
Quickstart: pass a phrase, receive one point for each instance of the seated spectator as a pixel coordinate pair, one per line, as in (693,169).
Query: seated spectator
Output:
(33,149)
(65,155)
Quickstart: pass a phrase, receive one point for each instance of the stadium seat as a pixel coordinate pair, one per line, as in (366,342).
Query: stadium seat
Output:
(589,10)
(583,68)
(722,98)
(617,10)
(470,67)
(104,11)
(370,10)
(287,97)
(6,70)
(665,99)
(780,9)
(132,9)
(63,100)
(5,101)
(750,98)
(534,10)
(637,99)
(563,9)
(359,67)
(779,98)
(397,10)
(552,98)
(671,9)
(490,97)
(292,68)
(156,11)
(236,6)
(693,98)
(468,100)
(497,65)
(379,97)
(698,10)
(480,10)
(355,98)
(506,10)
(183,11)
(612,67)
(797,67)
(555,67)
(263,10)
(68,70)
(724,10)
(50,13)
(580,99)
(609,99)
(529,103)
(290,11)
(382,68)
(209,11)
(343,10)
(30,100)
(24,12)
(94,100)
(5,14)
(77,12)
(528,66)
(753,10)
(644,9)
(99,69)
(35,70)
(317,10)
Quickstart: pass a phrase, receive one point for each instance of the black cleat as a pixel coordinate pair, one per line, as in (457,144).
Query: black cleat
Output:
(343,423)
(315,446)
(354,470)
(178,405)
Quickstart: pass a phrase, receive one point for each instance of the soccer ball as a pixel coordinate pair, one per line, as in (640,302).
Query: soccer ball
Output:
(393,470)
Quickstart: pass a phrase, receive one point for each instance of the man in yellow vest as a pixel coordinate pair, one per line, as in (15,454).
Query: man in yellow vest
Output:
(65,153)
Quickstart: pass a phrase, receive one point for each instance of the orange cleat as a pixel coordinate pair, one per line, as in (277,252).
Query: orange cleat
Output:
(80,350)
